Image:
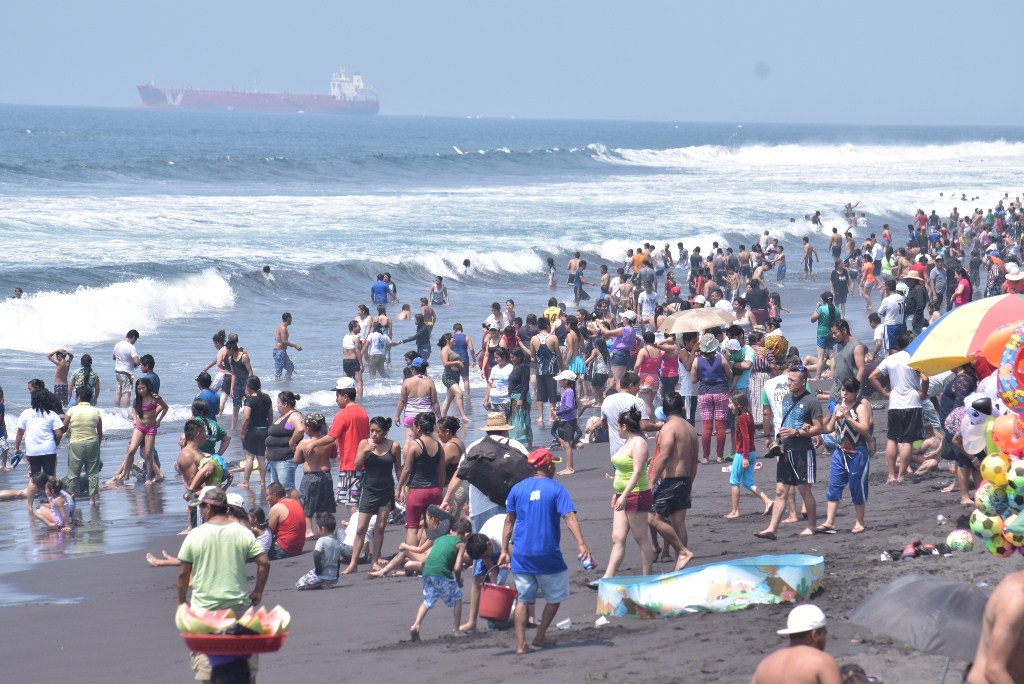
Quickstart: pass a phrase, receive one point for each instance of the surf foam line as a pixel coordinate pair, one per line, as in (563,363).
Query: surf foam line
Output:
(44,321)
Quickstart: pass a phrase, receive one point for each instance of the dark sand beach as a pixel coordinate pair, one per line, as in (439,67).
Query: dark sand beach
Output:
(109,617)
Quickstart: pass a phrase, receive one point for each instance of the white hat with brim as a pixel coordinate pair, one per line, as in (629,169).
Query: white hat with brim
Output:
(708,343)
(802,619)
(566,375)
(1013,272)
(345,383)
(628,315)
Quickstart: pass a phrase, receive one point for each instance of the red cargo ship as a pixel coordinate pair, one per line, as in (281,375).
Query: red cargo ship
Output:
(347,96)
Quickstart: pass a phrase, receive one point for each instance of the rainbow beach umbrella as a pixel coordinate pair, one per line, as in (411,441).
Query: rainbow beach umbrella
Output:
(959,335)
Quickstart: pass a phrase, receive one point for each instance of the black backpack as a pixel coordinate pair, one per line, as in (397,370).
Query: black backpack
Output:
(493,466)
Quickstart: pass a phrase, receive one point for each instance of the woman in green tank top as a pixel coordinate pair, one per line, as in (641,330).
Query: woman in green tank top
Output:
(631,501)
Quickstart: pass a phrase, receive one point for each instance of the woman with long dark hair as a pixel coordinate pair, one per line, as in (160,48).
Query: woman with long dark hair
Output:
(257,416)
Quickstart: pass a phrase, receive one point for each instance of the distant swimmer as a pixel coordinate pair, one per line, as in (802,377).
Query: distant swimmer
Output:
(267,274)
(18,292)
(465,266)
(281,344)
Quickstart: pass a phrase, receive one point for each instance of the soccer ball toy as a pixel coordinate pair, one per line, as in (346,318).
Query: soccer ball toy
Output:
(994,469)
(960,540)
(991,500)
(986,526)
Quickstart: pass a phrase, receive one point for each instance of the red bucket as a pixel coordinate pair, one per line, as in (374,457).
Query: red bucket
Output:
(496,601)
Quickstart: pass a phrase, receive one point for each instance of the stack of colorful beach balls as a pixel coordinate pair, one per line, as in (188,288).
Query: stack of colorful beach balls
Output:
(1000,499)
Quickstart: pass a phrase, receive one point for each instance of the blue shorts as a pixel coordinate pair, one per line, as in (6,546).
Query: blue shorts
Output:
(891,333)
(740,475)
(849,469)
(440,589)
(619,359)
(780,273)
(282,362)
(827,343)
(555,587)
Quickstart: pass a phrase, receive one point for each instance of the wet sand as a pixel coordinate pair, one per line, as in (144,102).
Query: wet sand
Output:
(111,616)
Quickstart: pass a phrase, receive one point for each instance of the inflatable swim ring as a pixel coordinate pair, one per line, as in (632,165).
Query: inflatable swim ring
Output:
(1010,382)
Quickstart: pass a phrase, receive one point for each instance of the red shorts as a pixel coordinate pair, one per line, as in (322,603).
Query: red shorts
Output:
(639,502)
(416,502)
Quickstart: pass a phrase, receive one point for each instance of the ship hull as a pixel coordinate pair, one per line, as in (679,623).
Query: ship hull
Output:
(241,101)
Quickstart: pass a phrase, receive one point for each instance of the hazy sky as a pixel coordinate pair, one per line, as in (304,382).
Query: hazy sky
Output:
(770,61)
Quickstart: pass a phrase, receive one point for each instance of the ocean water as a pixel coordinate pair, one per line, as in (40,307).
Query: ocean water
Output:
(162,221)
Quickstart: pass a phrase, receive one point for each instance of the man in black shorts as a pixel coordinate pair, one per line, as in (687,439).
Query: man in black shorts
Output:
(675,467)
(797,466)
(907,390)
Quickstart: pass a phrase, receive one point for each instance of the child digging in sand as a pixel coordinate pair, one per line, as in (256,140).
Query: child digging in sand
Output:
(745,460)
(442,578)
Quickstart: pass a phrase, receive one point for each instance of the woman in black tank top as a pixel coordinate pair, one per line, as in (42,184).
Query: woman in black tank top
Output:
(380,459)
(424,472)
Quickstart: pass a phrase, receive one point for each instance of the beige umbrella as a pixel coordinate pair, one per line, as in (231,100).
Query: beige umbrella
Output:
(696,320)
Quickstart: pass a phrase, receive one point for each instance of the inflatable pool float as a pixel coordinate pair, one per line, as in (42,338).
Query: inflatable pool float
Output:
(717,588)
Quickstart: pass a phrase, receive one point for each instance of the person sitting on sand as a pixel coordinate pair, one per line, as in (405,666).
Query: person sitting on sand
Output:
(58,511)
(326,556)
(411,557)
(286,523)
(804,661)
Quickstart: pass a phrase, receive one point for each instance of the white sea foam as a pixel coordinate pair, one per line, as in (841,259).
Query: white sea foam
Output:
(43,321)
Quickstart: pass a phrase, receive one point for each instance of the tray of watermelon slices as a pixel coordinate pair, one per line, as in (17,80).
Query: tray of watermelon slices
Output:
(219,632)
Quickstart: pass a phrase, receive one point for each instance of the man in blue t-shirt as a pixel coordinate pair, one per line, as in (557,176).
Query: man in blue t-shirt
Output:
(539,503)
(379,291)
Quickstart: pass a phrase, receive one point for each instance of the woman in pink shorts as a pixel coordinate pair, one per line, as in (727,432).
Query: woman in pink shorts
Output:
(423,471)
(712,373)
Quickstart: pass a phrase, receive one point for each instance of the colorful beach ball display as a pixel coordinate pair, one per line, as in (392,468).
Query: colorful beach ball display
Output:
(998,546)
(960,540)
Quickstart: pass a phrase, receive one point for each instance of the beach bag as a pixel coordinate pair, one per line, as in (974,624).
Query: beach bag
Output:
(493,466)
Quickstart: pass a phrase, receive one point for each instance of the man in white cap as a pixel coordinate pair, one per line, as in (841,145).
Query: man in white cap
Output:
(350,426)
(804,660)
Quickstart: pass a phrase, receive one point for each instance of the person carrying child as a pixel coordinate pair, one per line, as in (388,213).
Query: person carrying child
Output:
(442,576)
(326,556)
(564,418)
(745,460)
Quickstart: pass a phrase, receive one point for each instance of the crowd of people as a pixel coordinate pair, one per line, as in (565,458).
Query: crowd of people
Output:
(607,372)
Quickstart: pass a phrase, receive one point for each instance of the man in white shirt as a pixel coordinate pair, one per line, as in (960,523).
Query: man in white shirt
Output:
(907,390)
(614,404)
(647,303)
(892,313)
(481,507)
(126,360)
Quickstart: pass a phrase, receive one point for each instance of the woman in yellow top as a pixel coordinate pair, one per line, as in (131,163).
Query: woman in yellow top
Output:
(632,499)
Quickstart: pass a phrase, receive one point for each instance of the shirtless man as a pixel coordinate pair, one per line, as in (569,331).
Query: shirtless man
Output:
(187,464)
(675,465)
(438,293)
(1000,656)
(281,344)
(427,311)
(835,244)
(571,268)
(804,661)
(316,469)
(62,359)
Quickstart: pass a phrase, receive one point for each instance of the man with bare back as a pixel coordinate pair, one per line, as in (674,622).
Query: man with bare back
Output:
(281,344)
(1000,655)
(675,465)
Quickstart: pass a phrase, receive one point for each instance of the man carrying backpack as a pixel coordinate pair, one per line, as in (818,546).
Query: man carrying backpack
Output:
(491,465)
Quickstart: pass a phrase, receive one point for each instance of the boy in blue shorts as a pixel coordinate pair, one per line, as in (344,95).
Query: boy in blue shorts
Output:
(442,575)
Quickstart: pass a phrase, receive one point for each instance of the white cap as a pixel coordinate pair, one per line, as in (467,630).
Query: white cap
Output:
(566,375)
(345,383)
(802,619)
(699,299)
(235,499)
(733,345)
(629,315)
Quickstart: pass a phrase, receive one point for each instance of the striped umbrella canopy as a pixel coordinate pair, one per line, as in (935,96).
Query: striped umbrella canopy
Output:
(959,335)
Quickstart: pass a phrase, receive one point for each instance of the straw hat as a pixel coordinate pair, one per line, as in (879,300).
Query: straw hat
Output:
(913,275)
(496,423)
